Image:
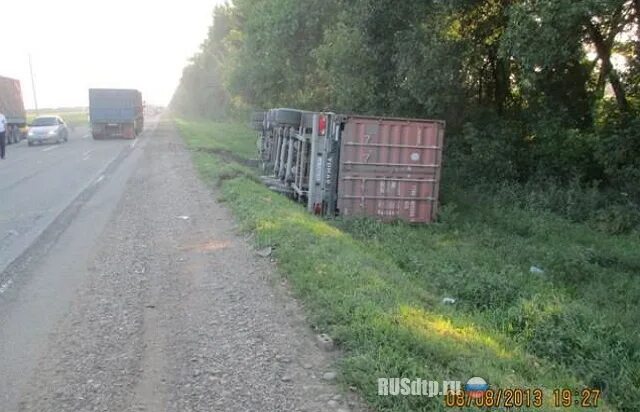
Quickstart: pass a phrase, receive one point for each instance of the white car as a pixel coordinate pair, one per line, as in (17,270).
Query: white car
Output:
(45,129)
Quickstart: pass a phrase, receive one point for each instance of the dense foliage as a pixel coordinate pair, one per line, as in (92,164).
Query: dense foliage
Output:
(532,90)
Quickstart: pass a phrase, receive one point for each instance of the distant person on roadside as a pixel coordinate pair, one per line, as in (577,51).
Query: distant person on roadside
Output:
(3,133)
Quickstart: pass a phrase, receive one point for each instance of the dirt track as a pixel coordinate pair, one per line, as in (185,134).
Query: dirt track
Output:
(173,309)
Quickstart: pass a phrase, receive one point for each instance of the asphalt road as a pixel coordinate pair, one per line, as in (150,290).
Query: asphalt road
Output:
(126,286)
(45,239)
(38,182)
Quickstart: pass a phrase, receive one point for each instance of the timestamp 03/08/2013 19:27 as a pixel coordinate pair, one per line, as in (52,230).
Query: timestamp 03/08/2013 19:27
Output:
(525,398)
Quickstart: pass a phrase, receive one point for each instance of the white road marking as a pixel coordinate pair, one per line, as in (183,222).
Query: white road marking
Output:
(5,286)
(100,179)
(50,148)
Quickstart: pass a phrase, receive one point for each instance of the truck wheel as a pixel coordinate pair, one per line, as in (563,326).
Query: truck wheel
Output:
(270,119)
(257,117)
(288,117)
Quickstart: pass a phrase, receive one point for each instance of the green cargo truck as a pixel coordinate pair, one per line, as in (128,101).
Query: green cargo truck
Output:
(116,113)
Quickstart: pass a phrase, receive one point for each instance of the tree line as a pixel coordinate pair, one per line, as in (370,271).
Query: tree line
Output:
(532,90)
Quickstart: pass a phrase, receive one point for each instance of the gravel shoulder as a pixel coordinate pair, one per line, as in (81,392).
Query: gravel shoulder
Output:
(179,313)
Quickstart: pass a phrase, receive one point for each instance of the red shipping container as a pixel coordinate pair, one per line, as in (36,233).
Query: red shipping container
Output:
(390,168)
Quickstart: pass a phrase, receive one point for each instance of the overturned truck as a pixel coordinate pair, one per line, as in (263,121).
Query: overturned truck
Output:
(349,165)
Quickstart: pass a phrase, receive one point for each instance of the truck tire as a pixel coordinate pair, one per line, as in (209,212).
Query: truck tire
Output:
(269,119)
(288,117)
(257,117)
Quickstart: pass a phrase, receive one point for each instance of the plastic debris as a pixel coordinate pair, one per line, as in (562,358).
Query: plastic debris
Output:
(448,301)
(266,252)
(139,268)
(325,342)
(183,217)
(536,270)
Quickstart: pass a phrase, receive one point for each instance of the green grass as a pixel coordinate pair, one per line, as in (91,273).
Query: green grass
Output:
(378,288)
(230,138)
(72,118)
(219,159)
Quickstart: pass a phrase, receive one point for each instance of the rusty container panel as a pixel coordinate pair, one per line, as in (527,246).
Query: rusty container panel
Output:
(390,168)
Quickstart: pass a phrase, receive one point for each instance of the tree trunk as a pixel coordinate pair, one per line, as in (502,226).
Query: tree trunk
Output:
(502,84)
(618,89)
(608,71)
(636,6)
(500,73)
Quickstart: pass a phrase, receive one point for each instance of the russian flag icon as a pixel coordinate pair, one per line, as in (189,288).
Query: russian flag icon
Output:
(476,387)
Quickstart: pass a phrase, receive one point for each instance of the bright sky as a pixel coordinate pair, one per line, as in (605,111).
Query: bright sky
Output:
(76,44)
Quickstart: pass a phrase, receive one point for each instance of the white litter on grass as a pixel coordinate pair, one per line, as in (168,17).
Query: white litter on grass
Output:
(536,270)
(183,217)
(265,252)
(448,301)
(5,286)
(139,268)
